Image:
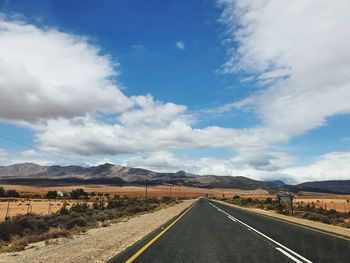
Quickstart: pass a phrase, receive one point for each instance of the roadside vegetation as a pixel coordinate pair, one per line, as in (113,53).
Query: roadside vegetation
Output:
(8,193)
(18,231)
(308,211)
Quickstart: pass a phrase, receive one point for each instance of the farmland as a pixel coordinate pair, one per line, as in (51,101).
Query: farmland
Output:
(339,203)
(42,206)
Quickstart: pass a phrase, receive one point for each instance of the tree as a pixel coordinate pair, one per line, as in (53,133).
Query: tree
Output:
(51,195)
(268,200)
(12,193)
(2,191)
(77,193)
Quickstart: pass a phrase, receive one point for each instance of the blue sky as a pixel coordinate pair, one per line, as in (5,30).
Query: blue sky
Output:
(211,87)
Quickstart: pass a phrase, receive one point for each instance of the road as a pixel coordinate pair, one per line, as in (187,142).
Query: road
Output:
(214,232)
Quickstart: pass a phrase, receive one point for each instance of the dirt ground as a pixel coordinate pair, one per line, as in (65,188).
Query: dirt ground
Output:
(98,244)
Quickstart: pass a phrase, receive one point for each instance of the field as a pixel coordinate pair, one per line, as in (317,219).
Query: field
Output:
(38,206)
(43,206)
(136,191)
(339,203)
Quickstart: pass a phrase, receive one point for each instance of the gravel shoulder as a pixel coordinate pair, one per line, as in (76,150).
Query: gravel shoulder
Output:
(98,244)
(335,230)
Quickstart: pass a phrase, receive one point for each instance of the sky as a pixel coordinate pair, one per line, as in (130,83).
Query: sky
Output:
(256,88)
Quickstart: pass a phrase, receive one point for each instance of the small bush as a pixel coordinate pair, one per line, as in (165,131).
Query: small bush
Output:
(79,221)
(51,195)
(79,208)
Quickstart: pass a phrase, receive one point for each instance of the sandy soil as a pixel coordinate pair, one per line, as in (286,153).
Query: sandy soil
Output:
(339,231)
(99,244)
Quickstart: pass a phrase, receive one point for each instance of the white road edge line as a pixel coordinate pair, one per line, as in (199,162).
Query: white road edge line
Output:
(269,238)
(288,255)
(232,218)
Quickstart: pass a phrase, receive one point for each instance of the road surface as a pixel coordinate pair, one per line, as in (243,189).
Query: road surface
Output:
(214,232)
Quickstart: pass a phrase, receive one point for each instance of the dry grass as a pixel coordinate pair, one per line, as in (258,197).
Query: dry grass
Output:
(19,243)
(22,206)
(135,191)
(340,203)
(41,206)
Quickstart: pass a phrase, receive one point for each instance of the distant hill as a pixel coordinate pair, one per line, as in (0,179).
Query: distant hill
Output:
(33,174)
(341,186)
(276,182)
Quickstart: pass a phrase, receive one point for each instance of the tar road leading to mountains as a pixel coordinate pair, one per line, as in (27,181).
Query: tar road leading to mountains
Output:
(213,232)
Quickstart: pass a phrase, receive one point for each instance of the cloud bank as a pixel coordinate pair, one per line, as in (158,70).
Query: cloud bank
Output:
(298,52)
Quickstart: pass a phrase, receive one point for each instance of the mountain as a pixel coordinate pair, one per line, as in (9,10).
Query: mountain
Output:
(28,173)
(341,186)
(276,182)
(33,174)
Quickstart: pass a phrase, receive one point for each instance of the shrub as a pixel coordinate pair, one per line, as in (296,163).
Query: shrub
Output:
(78,193)
(116,203)
(79,208)
(79,221)
(268,207)
(2,191)
(51,195)
(30,228)
(20,225)
(12,193)
(64,210)
(268,200)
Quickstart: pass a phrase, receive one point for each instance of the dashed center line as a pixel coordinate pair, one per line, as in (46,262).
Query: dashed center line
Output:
(281,248)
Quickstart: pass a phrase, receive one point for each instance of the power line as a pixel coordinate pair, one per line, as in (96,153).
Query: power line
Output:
(39,150)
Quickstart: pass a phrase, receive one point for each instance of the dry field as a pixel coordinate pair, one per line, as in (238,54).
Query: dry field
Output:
(340,203)
(22,206)
(136,191)
(44,206)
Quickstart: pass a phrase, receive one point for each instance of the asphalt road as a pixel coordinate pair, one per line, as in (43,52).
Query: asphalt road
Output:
(213,232)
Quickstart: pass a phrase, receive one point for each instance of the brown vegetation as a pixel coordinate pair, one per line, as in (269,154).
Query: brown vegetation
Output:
(18,231)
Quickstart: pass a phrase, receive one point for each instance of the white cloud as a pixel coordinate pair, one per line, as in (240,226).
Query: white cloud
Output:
(152,113)
(331,166)
(45,73)
(27,156)
(300,50)
(237,166)
(180,45)
(63,82)
(88,136)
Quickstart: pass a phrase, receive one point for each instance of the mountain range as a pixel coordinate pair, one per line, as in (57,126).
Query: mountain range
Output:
(110,174)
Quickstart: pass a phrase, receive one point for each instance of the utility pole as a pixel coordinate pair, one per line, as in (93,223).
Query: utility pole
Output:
(146,188)
(28,207)
(7,210)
